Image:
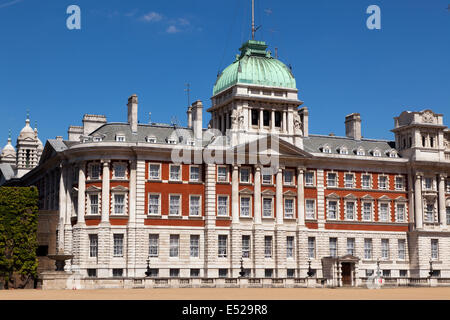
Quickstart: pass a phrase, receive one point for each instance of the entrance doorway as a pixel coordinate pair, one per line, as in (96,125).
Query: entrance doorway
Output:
(346,274)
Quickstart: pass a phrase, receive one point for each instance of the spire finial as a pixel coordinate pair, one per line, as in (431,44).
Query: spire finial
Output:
(9,134)
(28,117)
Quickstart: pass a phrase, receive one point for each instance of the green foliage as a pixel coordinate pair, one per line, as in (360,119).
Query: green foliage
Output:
(18,230)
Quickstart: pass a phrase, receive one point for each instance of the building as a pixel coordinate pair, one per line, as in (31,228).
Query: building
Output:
(339,208)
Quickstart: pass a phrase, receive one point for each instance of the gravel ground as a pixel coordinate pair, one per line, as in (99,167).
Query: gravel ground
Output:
(231,294)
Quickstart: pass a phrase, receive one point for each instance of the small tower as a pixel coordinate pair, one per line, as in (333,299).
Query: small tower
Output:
(27,149)
(8,154)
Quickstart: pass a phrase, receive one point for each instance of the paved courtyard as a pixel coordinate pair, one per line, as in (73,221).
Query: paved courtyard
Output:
(230,294)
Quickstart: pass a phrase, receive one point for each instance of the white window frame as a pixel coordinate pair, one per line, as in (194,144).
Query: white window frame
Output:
(326,149)
(115,165)
(227,174)
(402,187)
(328,209)
(159,171)
(249,169)
(368,249)
(194,246)
(363,203)
(99,170)
(119,252)
(346,174)
(362,181)
(199,205)
(97,139)
(360,152)
(434,252)
(307,217)
(179,204)
(222,251)
(120,138)
(335,248)
(228,205)
(113,203)
(401,249)
(89,206)
(313,178)
(249,206)
(266,175)
(290,247)
(386,187)
(355,210)
(293,207)
(180,174)
(377,153)
(271,206)
(292,183)
(351,241)
(171,141)
(343,150)
(174,246)
(397,218)
(312,249)
(385,249)
(159,204)
(199,173)
(151,246)
(246,250)
(426,212)
(336,182)
(388,203)
(267,254)
(150,139)
(425,184)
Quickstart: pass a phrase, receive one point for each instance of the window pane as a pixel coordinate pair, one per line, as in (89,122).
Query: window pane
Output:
(194,246)
(222,206)
(245,207)
(153,245)
(195,174)
(174,205)
(289,208)
(153,204)
(332,209)
(154,171)
(267,207)
(195,206)
(174,241)
(310,209)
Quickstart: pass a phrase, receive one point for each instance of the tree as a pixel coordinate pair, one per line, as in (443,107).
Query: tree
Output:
(18,235)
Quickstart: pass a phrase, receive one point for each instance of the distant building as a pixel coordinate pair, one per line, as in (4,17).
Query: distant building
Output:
(113,196)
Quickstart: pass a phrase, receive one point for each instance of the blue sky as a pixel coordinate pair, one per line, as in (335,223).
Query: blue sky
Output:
(152,48)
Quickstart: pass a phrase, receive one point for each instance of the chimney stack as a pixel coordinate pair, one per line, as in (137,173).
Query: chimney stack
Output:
(353,126)
(189,115)
(133,112)
(197,119)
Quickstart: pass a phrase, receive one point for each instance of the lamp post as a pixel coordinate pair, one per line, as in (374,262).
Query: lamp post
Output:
(378,268)
(148,272)
(310,273)
(431,268)
(242,272)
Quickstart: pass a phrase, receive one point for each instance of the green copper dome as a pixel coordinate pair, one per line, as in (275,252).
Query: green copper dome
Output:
(255,65)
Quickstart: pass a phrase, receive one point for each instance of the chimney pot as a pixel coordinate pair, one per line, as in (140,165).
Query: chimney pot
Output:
(353,126)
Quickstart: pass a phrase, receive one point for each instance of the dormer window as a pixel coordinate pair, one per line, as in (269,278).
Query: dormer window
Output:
(326,149)
(97,139)
(120,138)
(376,153)
(171,141)
(150,139)
(191,142)
(360,152)
(392,154)
(343,150)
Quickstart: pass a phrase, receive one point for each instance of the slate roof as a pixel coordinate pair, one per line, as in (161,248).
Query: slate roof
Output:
(315,143)
(159,131)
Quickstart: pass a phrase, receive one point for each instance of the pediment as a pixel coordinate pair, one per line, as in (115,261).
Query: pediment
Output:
(348,258)
(350,196)
(333,196)
(119,188)
(93,189)
(367,197)
(246,191)
(289,193)
(268,192)
(384,197)
(401,198)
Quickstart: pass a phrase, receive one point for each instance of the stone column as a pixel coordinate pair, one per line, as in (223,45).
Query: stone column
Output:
(442,211)
(249,122)
(272,120)
(261,118)
(418,201)
(235,194)
(210,235)
(81,192)
(257,198)
(68,223)
(132,193)
(61,207)
(284,121)
(105,191)
(300,198)
(223,124)
(279,196)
